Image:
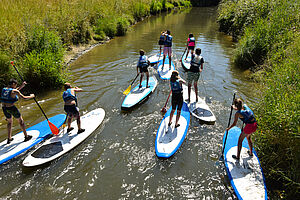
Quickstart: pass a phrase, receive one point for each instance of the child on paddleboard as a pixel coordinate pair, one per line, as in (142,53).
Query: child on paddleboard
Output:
(70,106)
(167,47)
(177,97)
(247,116)
(193,73)
(142,65)
(191,42)
(9,96)
(161,42)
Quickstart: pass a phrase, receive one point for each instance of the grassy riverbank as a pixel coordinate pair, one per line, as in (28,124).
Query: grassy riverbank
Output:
(269,43)
(37,35)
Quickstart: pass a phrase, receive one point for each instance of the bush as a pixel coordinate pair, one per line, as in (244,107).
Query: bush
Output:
(122,26)
(5,73)
(155,7)
(140,10)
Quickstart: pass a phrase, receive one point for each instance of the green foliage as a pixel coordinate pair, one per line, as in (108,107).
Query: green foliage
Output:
(155,7)
(122,26)
(5,73)
(140,10)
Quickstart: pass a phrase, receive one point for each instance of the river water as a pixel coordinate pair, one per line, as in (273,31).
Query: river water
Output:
(118,160)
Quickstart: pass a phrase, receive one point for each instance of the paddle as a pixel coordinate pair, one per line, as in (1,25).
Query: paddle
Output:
(164,109)
(53,128)
(222,156)
(183,54)
(207,99)
(129,88)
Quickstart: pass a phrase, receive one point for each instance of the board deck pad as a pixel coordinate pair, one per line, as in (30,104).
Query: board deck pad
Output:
(165,72)
(168,138)
(137,95)
(245,175)
(39,132)
(200,109)
(64,142)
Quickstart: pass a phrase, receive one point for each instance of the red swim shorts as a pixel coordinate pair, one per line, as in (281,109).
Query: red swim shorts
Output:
(250,128)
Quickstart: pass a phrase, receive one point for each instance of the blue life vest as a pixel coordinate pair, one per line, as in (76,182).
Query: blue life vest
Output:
(168,41)
(176,87)
(196,63)
(248,115)
(143,61)
(6,96)
(67,95)
(162,38)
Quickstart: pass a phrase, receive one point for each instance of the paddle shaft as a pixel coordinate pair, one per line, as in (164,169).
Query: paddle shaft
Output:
(228,124)
(168,98)
(134,79)
(183,53)
(34,97)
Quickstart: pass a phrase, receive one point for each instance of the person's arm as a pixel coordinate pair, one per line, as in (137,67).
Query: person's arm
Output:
(182,81)
(31,96)
(201,68)
(236,118)
(21,86)
(77,89)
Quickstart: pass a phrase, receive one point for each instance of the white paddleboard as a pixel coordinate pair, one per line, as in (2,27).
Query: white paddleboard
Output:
(186,63)
(138,95)
(245,175)
(166,71)
(200,109)
(168,138)
(155,58)
(64,142)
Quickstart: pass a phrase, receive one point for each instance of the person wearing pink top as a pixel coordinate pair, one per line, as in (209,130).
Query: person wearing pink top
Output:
(191,42)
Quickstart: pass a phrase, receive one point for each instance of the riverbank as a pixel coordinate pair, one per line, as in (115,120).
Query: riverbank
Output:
(269,44)
(37,36)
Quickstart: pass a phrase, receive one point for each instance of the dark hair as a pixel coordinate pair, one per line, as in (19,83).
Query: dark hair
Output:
(142,52)
(67,86)
(11,81)
(238,103)
(191,35)
(168,32)
(174,76)
(198,51)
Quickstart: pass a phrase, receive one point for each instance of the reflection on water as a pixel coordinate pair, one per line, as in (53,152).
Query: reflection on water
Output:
(118,161)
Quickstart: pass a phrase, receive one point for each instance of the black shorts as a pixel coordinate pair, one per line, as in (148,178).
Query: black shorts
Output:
(177,100)
(143,69)
(71,110)
(160,42)
(191,47)
(11,111)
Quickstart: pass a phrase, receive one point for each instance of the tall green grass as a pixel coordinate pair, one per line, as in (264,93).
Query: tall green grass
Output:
(73,22)
(269,43)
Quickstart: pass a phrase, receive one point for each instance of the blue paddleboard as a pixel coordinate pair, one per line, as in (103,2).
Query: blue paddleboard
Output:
(245,175)
(168,138)
(138,95)
(39,132)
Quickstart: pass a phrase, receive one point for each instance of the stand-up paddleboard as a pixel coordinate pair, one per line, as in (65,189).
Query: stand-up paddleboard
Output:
(186,63)
(64,142)
(200,109)
(168,138)
(39,132)
(245,175)
(138,95)
(165,73)
(155,58)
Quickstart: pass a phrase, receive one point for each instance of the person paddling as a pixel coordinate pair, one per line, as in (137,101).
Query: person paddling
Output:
(143,64)
(167,47)
(70,106)
(177,97)
(191,42)
(247,116)
(193,73)
(161,42)
(9,96)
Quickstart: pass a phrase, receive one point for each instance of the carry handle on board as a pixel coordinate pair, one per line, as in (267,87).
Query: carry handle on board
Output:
(53,128)
(222,156)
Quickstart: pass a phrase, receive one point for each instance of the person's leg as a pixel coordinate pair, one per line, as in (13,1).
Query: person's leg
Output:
(9,127)
(248,136)
(177,118)
(189,91)
(147,74)
(180,103)
(141,79)
(196,90)
(171,116)
(170,56)
(241,138)
(187,53)
(22,125)
(70,116)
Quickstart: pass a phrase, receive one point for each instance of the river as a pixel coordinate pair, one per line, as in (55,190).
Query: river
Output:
(118,160)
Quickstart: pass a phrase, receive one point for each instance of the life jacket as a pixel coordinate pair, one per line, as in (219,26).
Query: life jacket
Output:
(67,95)
(176,87)
(168,41)
(162,38)
(248,115)
(191,42)
(143,61)
(6,96)
(196,63)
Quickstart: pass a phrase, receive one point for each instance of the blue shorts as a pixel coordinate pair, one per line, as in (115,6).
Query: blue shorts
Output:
(11,111)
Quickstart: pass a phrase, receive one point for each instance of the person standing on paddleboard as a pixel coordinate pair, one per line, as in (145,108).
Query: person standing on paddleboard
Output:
(247,116)
(191,42)
(70,106)
(167,47)
(143,64)
(193,73)
(177,97)
(9,96)
(161,42)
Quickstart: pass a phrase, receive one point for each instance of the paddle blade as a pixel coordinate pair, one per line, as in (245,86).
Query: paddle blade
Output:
(127,90)
(53,128)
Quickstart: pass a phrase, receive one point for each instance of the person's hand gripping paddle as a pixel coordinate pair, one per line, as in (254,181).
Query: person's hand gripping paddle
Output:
(164,109)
